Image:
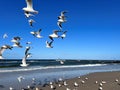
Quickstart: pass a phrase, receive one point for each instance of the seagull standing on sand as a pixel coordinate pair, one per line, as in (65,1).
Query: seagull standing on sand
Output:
(49,44)
(37,33)
(3,48)
(27,55)
(20,78)
(29,7)
(54,35)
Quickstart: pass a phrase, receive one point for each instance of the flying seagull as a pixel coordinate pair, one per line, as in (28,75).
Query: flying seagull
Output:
(16,39)
(49,44)
(17,44)
(27,55)
(54,35)
(31,21)
(5,36)
(37,33)
(64,34)
(3,48)
(29,7)
(27,14)
(61,19)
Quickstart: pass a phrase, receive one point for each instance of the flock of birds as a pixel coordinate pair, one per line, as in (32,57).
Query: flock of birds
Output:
(29,12)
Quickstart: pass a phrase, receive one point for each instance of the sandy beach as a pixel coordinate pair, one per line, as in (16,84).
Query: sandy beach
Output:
(93,81)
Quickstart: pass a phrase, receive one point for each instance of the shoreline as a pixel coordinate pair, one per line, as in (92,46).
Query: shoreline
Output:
(93,81)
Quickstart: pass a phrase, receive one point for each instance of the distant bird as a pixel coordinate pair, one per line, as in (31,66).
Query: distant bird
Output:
(31,22)
(27,14)
(64,34)
(3,48)
(29,7)
(27,55)
(20,78)
(76,84)
(28,42)
(68,89)
(37,33)
(49,44)
(5,36)
(10,88)
(61,62)
(54,35)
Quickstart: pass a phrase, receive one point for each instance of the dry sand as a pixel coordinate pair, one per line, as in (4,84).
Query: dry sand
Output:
(93,81)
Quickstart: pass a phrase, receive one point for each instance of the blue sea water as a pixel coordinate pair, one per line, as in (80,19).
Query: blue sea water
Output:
(50,70)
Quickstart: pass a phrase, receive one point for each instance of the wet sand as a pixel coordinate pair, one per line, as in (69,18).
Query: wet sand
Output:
(93,81)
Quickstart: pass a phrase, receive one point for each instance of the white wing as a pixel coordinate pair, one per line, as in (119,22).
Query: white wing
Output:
(24,61)
(29,4)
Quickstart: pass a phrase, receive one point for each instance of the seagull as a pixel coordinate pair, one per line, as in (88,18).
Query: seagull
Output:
(31,22)
(49,44)
(37,33)
(64,34)
(27,14)
(28,42)
(61,19)
(29,7)
(76,84)
(20,78)
(3,48)
(16,39)
(27,55)
(5,36)
(17,44)
(54,35)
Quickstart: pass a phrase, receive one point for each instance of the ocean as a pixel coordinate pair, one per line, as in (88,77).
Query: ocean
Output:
(45,70)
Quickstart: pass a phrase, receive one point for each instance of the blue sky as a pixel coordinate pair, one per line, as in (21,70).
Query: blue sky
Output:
(93,28)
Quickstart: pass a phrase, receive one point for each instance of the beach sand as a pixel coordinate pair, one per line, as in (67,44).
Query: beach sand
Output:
(93,81)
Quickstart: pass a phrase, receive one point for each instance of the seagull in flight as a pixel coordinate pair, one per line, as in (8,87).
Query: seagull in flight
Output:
(5,36)
(16,39)
(64,34)
(17,44)
(29,7)
(49,44)
(31,21)
(27,55)
(3,48)
(54,35)
(37,33)
(61,19)
(27,14)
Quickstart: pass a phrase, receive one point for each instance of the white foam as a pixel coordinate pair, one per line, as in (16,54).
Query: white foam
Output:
(50,67)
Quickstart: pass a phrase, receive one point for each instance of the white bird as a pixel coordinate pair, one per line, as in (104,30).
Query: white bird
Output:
(27,14)
(54,35)
(20,78)
(28,42)
(49,44)
(61,62)
(100,88)
(5,36)
(31,21)
(61,19)
(16,39)
(76,84)
(37,33)
(17,44)
(27,55)
(29,7)
(10,88)
(68,89)
(3,48)
(64,34)
(65,83)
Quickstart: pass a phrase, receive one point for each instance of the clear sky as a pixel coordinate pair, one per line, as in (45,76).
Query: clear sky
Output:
(93,28)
